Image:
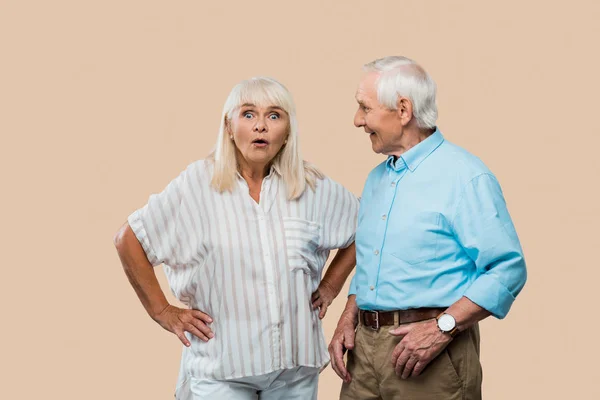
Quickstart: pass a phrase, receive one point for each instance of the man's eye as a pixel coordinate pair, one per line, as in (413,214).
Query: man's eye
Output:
(248,115)
(274,116)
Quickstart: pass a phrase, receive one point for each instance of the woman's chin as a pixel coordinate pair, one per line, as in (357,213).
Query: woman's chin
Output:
(259,158)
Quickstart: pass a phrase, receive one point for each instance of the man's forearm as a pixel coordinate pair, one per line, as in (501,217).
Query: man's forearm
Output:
(351,310)
(340,268)
(466,313)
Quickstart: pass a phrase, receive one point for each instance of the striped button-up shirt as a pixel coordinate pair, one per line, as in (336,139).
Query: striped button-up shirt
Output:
(251,266)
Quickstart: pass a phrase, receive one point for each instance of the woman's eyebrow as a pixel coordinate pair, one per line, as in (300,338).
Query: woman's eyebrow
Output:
(270,108)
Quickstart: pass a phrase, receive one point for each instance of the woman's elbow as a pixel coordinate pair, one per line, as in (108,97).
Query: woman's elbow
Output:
(119,237)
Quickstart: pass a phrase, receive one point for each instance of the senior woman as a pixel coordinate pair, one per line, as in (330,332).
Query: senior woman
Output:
(244,236)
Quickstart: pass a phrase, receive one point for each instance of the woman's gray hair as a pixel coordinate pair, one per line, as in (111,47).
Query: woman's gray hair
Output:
(262,91)
(401,76)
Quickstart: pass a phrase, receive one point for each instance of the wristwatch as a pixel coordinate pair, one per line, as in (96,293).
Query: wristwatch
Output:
(447,324)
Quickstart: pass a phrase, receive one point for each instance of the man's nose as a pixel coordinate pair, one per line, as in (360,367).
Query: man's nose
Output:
(359,119)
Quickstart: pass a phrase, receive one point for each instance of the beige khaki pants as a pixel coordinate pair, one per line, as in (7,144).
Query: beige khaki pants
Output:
(454,375)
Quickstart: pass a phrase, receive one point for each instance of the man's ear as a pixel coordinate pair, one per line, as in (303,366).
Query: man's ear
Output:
(405,110)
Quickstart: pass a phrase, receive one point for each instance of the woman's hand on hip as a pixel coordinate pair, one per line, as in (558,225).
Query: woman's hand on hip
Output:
(179,320)
(323,297)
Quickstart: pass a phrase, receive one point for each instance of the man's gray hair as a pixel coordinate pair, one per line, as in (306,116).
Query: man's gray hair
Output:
(401,76)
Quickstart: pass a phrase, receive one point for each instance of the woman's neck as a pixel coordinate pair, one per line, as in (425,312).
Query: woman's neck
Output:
(253,173)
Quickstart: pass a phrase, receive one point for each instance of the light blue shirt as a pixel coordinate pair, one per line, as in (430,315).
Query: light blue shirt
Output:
(432,227)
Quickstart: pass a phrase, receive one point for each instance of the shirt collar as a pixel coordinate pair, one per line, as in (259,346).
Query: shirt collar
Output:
(416,155)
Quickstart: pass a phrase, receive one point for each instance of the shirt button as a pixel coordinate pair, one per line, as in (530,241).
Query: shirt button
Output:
(372,287)
(376,252)
(383,217)
(393,184)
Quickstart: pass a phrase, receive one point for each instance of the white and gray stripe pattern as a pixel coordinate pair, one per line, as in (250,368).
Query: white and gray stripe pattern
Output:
(252,267)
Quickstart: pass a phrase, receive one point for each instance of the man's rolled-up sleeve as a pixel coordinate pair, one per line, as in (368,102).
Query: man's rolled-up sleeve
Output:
(485,230)
(353,289)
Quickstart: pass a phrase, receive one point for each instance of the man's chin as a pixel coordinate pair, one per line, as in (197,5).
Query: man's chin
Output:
(376,149)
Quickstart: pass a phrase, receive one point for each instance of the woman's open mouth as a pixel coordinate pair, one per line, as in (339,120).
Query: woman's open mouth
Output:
(260,143)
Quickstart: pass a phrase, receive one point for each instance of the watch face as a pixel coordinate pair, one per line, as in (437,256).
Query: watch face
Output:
(446,322)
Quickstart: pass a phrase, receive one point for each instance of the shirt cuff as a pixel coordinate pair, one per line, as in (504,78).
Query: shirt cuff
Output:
(137,226)
(352,290)
(489,293)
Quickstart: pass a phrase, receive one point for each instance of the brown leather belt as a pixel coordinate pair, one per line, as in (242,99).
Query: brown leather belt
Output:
(376,319)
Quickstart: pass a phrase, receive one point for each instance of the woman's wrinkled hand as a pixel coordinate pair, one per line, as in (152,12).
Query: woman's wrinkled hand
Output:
(179,320)
(323,297)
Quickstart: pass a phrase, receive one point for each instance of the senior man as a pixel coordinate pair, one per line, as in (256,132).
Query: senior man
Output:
(436,251)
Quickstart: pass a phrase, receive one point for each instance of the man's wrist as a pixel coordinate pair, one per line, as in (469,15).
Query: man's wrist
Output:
(351,311)
(350,316)
(447,324)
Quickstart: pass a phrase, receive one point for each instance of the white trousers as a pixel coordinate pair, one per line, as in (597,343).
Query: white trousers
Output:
(298,383)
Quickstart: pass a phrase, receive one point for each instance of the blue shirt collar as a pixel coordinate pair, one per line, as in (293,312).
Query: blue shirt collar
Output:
(416,155)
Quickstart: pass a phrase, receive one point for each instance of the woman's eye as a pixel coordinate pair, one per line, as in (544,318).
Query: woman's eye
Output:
(248,115)
(274,116)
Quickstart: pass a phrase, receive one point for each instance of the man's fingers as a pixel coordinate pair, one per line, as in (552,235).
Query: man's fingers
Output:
(337,371)
(334,366)
(396,353)
(408,367)
(338,358)
(334,362)
(349,338)
(419,367)
(401,362)
(202,316)
(401,330)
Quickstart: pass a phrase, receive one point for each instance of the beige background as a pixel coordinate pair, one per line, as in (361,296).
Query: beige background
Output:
(102,103)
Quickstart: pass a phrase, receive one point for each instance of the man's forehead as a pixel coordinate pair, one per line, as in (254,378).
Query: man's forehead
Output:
(366,86)
(369,79)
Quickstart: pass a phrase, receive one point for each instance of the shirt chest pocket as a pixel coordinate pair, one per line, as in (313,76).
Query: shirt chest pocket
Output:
(301,241)
(415,237)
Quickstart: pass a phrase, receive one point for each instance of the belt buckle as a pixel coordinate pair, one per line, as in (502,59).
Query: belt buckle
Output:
(376,314)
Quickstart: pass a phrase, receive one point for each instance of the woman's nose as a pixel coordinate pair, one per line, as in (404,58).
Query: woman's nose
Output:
(260,125)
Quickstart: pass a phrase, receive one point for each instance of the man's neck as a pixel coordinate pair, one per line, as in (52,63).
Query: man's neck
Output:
(411,138)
